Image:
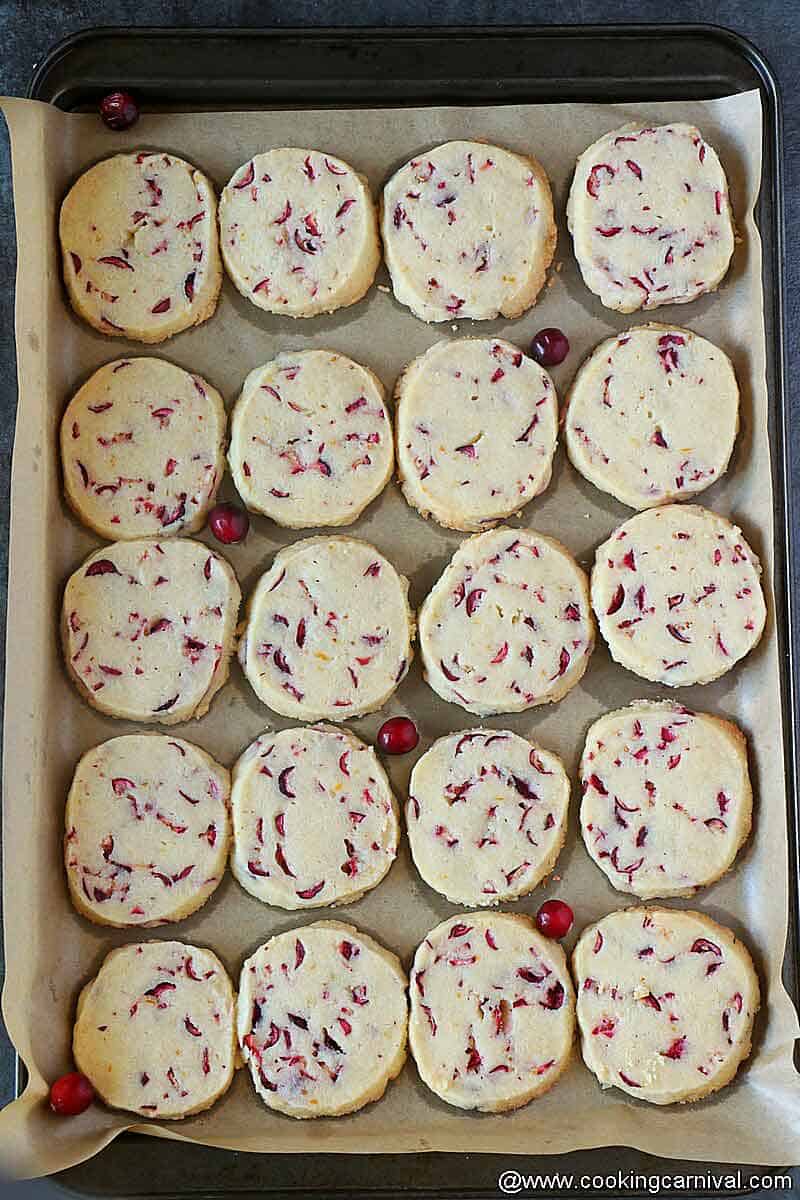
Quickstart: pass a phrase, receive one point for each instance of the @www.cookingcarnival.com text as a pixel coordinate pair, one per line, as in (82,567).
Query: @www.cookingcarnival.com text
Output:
(520,1183)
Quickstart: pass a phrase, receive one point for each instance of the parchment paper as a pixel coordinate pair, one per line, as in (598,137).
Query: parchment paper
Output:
(51,951)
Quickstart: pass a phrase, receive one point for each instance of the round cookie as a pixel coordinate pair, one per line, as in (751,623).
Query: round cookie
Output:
(299,232)
(147,830)
(508,625)
(148,628)
(652,415)
(322,1020)
(328,631)
(143,449)
(667,801)
(477,424)
(155,1030)
(140,247)
(468,231)
(492,1011)
(314,819)
(666,1002)
(311,440)
(486,815)
(677,595)
(650,217)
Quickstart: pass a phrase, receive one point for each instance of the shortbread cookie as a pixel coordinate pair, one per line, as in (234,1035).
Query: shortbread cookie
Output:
(314,818)
(328,631)
(477,424)
(492,1011)
(652,415)
(650,217)
(155,1031)
(311,440)
(667,801)
(508,625)
(140,246)
(143,449)
(677,595)
(666,1002)
(148,628)
(299,232)
(147,830)
(468,231)
(486,815)
(322,1020)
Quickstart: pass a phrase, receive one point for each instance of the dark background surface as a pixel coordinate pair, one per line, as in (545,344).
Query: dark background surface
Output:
(29,28)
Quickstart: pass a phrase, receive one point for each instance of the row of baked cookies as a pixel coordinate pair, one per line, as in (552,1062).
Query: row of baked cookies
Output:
(468,231)
(310,819)
(651,417)
(665,1007)
(148,627)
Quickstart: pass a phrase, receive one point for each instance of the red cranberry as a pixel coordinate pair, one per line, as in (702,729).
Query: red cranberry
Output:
(554,919)
(550,347)
(119,110)
(228,523)
(71,1094)
(398,735)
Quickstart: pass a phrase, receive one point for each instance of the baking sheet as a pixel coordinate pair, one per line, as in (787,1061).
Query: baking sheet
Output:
(51,951)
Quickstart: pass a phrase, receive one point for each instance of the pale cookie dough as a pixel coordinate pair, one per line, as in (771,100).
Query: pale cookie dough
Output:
(667,801)
(650,217)
(155,1030)
(140,247)
(299,232)
(143,449)
(666,1002)
(652,415)
(328,631)
(322,1020)
(314,818)
(492,1011)
(677,594)
(486,815)
(311,439)
(508,625)
(477,424)
(148,628)
(468,231)
(147,830)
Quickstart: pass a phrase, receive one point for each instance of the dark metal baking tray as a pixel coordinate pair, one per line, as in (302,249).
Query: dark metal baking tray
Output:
(219,68)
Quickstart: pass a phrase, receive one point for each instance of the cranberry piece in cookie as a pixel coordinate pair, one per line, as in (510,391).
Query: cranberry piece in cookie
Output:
(666,1003)
(492,1011)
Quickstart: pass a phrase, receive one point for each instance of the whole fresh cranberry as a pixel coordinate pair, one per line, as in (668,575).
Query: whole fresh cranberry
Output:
(71,1094)
(398,735)
(228,523)
(550,347)
(554,919)
(119,110)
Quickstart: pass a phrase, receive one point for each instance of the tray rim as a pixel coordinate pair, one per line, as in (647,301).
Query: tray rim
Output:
(785,504)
